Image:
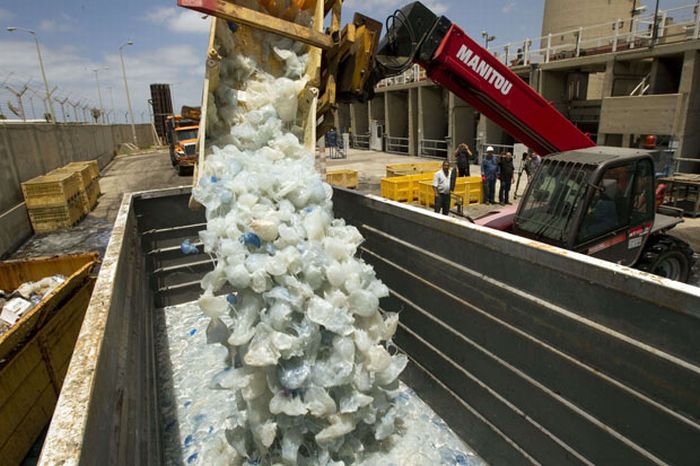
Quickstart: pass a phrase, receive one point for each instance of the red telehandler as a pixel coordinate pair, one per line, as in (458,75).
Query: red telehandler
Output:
(590,199)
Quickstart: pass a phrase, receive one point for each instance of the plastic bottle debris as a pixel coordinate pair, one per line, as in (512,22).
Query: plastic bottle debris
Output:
(188,248)
(17,303)
(311,375)
(194,421)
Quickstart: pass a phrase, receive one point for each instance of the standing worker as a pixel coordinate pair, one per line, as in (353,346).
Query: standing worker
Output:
(463,154)
(332,141)
(443,186)
(506,170)
(535,163)
(526,165)
(489,172)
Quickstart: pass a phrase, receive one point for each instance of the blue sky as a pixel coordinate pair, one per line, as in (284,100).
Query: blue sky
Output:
(170,43)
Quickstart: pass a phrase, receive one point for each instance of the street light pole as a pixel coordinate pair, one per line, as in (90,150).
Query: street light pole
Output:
(99,92)
(128,96)
(41,65)
(111,108)
(488,38)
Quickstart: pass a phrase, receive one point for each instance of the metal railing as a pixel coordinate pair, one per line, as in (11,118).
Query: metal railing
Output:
(677,161)
(676,24)
(433,148)
(396,145)
(672,25)
(360,141)
(412,75)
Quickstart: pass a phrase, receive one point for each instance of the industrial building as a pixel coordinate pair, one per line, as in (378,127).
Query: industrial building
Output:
(606,65)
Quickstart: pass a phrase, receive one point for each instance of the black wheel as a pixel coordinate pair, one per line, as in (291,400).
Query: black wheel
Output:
(667,257)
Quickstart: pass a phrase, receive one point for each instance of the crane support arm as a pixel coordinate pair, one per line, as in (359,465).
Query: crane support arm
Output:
(454,60)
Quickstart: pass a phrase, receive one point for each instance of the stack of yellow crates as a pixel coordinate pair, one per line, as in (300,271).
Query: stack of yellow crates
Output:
(53,201)
(404,169)
(89,174)
(469,188)
(403,188)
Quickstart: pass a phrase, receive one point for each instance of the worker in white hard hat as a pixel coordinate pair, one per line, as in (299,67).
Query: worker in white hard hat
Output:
(489,173)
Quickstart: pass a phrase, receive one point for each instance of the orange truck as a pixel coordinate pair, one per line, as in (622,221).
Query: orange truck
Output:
(182,132)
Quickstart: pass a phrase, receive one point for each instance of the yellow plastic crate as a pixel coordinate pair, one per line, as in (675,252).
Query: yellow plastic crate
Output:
(468,188)
(405,169)
(343,178)
(403,188)
(471,190)
(53,189)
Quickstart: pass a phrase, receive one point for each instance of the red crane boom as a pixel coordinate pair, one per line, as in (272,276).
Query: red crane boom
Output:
(454,60)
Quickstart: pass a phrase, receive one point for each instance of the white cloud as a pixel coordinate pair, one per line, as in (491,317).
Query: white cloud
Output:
(51,25)
(5,14)
(179,20)
(508,7)
(439,8)
(69,69)
(368,6)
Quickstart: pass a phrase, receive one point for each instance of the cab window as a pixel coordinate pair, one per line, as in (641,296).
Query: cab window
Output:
(609,209)
(643,197)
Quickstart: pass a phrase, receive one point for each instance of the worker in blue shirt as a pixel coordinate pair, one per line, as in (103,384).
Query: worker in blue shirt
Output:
(332,141)
(489,173)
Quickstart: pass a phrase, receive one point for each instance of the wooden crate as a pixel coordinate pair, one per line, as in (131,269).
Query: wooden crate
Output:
(343,178)
(53,189)
(36,351)
(403,188)
(405,169)
(51,218)
(91,165)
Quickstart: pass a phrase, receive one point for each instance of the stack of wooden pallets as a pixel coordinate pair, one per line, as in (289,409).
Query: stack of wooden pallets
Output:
(53,201)
(89,174)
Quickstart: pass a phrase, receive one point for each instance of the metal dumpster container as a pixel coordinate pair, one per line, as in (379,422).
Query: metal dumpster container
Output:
(532,354)
(34,354)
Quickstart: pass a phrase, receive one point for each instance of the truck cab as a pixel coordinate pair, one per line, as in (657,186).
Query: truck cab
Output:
(602,202)
(182,142)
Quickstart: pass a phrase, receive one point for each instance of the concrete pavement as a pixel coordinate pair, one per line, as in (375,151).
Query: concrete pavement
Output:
(126,173)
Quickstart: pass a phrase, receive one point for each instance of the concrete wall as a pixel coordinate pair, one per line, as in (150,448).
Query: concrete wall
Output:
(433,114)
(639,115)
(377,108)
(689,127)
(343,120)
(569,15)
(359,118)
(413,121)
(397,114)
(28,150)
(552,85)
(462,124)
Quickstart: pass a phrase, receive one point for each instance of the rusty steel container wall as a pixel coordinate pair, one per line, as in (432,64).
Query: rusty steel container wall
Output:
(107,410)
(532,354)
